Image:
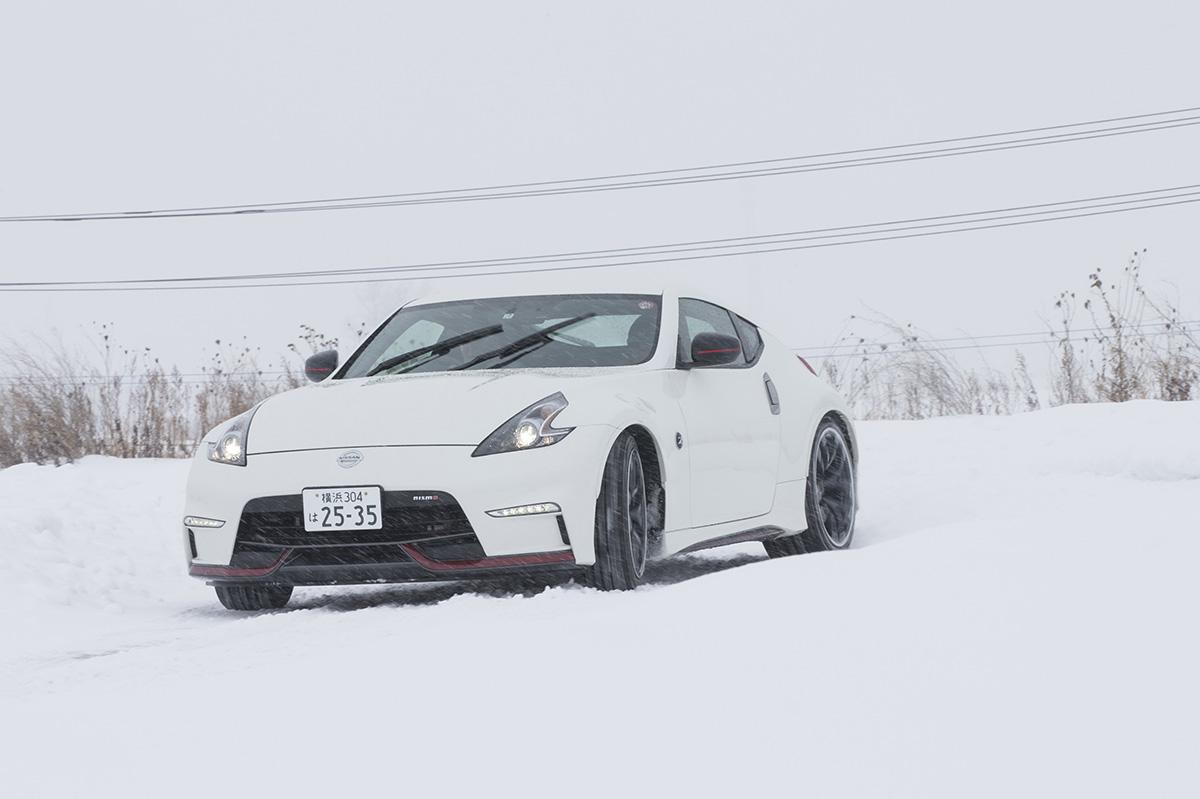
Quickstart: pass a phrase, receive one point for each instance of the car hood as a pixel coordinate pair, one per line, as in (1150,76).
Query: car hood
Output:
(441,408)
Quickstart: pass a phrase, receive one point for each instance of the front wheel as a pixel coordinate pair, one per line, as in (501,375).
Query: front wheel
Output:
(831,500)
(253,597)
(622,520)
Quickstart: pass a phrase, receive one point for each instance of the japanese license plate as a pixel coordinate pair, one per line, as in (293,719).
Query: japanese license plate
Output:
(345,508)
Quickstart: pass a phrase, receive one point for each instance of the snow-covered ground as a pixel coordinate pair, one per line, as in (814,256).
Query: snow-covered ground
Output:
(1019,617)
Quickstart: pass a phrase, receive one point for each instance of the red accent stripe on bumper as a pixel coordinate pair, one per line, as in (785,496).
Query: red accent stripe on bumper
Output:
(497,562)
(205,570)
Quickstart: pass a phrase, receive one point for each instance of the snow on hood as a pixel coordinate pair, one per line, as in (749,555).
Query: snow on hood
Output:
(430,408)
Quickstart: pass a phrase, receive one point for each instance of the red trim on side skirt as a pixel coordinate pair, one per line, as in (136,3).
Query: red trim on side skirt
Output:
(497,562)
(205,570)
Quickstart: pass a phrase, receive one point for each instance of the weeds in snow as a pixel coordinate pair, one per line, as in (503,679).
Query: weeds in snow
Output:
(1130,346)
(57,406)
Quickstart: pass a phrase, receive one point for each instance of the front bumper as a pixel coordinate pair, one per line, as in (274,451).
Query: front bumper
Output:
(567,473)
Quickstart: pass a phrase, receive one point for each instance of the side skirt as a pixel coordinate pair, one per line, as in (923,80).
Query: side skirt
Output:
(763,533)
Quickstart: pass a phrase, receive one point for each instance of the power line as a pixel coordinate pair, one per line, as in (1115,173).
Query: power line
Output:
(537,270)
(658,249)
(992,142)
(203,377)
(878,351)
(126,380)
(1040,335)
(773,243)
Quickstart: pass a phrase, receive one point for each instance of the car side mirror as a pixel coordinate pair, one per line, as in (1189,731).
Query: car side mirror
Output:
(321,365)
(715,349)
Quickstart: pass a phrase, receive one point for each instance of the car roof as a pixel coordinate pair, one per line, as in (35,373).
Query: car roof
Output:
(668,292)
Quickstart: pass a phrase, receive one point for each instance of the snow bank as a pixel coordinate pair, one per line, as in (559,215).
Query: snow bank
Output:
(1062,461)
(1017,619)
(100,533)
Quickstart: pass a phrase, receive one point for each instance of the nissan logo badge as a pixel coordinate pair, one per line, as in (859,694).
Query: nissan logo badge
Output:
(349,459)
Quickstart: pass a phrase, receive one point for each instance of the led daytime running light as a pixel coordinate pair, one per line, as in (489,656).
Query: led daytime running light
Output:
(525,510)
(200,521)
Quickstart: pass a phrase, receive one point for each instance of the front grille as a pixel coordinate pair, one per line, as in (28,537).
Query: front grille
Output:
(349,556)
(435,524)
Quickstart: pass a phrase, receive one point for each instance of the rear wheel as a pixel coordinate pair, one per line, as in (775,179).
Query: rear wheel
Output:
(831,501)
(253,597)
(622,520)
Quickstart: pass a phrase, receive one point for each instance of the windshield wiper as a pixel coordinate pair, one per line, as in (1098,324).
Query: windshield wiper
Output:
(438,349)
(536,339)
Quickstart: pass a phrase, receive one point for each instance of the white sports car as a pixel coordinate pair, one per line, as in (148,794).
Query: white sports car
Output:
(487,436)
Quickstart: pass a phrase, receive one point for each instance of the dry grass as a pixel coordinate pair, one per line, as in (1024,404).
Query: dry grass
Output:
(1129,346)
(893,374)
(57,406)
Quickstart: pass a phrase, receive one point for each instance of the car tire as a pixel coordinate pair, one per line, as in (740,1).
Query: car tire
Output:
(831,501)
(623,520)
(253,597)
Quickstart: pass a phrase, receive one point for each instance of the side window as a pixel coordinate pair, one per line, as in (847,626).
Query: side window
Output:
(751,340)
(697,316)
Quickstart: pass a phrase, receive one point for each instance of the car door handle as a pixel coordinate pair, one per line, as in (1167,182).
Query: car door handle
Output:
(772,394)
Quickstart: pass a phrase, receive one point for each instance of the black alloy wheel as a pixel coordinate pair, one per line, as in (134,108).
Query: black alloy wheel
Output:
(832,498)
(623,531)
(831,501)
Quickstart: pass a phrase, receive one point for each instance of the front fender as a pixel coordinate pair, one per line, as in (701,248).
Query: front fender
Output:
(656,416)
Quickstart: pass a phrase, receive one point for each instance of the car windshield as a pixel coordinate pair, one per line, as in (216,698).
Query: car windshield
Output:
(562,330)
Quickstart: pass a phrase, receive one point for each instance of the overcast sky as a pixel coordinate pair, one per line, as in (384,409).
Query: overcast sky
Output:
(121,105)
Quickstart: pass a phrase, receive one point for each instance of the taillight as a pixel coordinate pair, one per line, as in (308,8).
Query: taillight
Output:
(807,365)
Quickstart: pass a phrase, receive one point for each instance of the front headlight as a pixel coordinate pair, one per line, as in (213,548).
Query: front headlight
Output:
(230,444)
(529,429)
